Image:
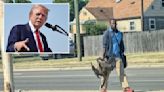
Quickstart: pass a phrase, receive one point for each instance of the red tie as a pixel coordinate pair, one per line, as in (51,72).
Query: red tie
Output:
(39,41)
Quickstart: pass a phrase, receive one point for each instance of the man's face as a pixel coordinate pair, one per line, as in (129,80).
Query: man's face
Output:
(38,17)
(113,24)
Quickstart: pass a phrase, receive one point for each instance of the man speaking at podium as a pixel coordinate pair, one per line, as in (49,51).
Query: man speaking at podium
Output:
(28,38)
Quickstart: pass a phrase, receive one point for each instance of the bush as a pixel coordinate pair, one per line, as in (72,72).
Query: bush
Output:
(93,28)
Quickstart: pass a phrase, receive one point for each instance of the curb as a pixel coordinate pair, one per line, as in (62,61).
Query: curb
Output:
(157,65)
(87,68)
(148,65)
(77,91)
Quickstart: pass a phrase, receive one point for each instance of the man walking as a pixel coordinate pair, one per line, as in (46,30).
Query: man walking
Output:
(113,48)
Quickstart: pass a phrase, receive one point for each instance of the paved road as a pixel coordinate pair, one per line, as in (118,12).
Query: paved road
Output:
(145,79)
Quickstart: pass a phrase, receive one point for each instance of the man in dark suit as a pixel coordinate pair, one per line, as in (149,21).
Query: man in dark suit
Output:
(28,38)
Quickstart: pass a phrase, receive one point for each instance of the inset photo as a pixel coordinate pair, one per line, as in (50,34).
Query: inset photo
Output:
(36,28)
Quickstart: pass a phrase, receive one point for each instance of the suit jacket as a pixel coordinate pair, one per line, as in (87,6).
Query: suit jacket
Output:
(20,33)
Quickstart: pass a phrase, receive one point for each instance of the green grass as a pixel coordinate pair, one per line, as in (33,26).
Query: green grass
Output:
(154,57)
(37,62)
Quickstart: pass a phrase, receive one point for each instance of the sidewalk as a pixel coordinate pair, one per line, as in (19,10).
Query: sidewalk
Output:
(157,65)
(140,65)
(78,91)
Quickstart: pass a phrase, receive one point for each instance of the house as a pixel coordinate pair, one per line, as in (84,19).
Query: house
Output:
(96,11)
(127,12)
(98,15)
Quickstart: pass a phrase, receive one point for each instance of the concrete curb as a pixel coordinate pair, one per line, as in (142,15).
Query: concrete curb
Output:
(85,68)
(78,91)
(157,65)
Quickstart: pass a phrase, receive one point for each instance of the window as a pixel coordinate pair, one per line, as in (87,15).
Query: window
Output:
(152,24)
(162,3)
(152,7)
(132,25)
(101,11)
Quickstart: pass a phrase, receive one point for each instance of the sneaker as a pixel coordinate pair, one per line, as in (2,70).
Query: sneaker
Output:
(103,90)
(128,89)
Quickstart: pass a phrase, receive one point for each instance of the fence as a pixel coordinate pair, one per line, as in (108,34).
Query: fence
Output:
(147,41)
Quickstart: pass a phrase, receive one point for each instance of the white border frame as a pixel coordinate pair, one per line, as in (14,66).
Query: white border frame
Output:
(41,53)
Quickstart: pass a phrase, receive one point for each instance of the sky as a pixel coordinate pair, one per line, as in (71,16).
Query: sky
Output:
(41,1)
(58,15)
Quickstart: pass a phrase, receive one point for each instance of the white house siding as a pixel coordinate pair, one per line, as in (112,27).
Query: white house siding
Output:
(86,15)
(124,25)
(82,18)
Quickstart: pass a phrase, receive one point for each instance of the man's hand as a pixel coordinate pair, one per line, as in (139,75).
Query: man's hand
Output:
(22,44)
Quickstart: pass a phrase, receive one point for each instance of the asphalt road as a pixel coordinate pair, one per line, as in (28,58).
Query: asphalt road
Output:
(144,79)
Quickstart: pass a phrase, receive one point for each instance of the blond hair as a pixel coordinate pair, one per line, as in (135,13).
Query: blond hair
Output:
(38,5)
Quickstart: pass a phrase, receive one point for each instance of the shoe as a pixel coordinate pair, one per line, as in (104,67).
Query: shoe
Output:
(103,90)
(96,72)
(128,89)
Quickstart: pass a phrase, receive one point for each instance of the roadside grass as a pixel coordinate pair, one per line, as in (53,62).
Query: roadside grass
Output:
(54,63)
(37,62)
(153,57)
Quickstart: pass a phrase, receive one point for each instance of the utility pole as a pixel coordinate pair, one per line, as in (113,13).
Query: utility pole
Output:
(142,15)
(78,43)
(6,59)
(7,72)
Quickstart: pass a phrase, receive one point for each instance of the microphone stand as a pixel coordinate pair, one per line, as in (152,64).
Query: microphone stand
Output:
(64,32)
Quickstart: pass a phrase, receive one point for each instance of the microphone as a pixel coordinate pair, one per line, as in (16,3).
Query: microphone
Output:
(50,26)
(54,28)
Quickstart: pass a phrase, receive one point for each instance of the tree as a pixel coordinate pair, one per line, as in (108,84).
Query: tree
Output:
(82,3)
(93,28)
(8,1)
(18,1)
(22,1)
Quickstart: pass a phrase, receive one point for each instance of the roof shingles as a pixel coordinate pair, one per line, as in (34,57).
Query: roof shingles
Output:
(123,9)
